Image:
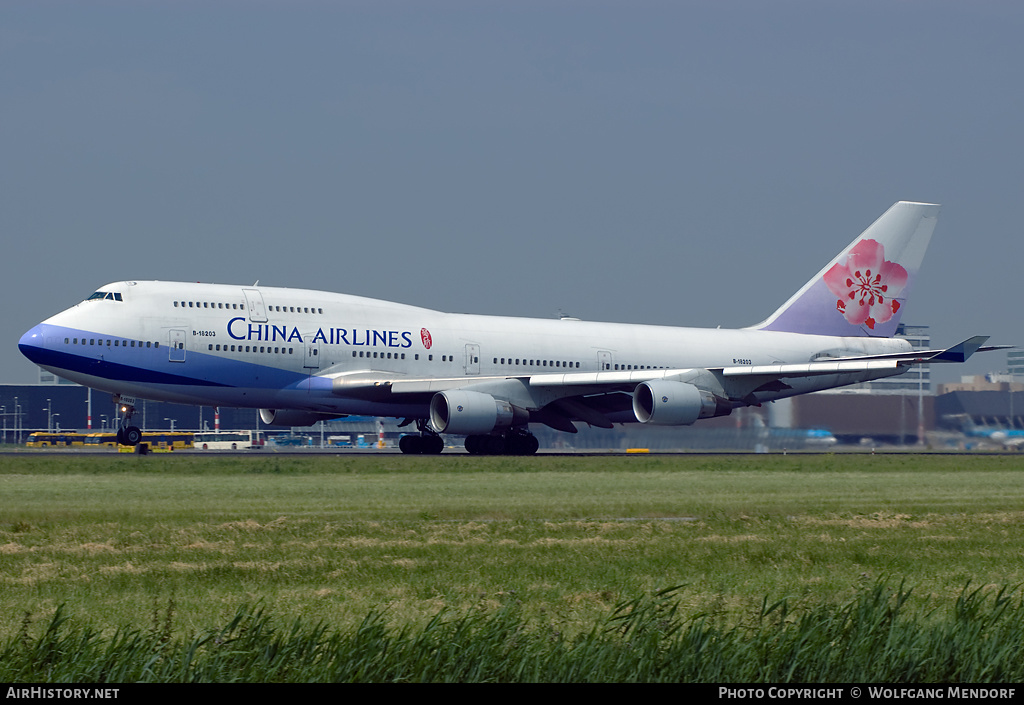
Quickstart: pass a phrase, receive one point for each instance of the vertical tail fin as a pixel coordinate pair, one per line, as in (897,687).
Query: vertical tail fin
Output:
(863,290)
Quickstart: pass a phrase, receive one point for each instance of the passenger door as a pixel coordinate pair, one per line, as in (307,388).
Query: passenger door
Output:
(312,360)
(472,359)
(254,300)
(177,342)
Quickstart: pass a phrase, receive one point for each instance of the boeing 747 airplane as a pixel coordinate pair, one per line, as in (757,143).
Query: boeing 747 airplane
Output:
(302,356)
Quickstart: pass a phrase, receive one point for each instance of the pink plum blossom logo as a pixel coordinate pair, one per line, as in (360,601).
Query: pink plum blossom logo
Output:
(867,284)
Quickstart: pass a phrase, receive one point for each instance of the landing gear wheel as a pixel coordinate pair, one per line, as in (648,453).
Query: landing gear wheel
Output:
(521,444)
(513,443)
(426,443)
(485,445)
(131,436)
(421,445)
(411,445)
(433,445)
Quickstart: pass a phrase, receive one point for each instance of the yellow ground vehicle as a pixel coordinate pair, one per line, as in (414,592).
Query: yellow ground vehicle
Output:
(163,440)
(42,439)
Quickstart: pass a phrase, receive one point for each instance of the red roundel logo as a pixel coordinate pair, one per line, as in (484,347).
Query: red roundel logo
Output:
(425,337)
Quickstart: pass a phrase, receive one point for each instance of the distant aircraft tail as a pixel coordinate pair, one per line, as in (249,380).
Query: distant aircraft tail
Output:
(863,290)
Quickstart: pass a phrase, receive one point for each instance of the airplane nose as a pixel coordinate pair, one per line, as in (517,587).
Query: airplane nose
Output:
(32,344)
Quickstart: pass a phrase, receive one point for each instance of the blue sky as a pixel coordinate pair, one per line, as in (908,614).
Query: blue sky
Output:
(679,163)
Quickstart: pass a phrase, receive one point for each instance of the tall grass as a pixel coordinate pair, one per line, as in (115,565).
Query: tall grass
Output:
(388,568)
(875,637)
(334,538)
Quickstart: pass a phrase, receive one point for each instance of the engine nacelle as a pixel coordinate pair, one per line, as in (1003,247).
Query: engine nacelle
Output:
(294,417)
(468,413)
(666,403)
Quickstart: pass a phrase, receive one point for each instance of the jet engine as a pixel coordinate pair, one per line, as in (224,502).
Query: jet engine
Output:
(294,417)
(467,413)
(666,403)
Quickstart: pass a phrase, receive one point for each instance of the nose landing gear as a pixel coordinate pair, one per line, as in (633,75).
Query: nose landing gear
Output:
(127,435)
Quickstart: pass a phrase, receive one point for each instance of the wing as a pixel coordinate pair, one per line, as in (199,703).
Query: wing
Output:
(607,397)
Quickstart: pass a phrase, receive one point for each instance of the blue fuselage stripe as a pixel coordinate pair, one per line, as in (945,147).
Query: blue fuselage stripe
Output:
(152,365)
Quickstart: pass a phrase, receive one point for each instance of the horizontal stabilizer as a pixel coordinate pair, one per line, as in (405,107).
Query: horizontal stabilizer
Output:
(956,353)
(962,351)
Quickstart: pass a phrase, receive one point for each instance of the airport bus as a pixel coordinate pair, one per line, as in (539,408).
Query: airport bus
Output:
(98,439)
(44,439)
(157,440)
(229,440)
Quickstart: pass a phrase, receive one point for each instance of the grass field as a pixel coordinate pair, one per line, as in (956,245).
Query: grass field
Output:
(178,544)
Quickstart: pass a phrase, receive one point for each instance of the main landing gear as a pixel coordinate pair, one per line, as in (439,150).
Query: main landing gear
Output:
(427,443)
(512,443)
(127,435)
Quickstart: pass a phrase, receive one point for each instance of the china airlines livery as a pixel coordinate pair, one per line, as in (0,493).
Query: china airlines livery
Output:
(301,356)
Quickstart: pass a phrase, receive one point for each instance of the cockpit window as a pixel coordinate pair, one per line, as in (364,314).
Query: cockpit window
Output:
(111,295)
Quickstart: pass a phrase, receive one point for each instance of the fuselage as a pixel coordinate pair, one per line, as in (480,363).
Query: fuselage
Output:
(267,347)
